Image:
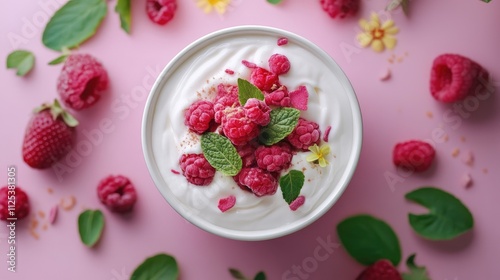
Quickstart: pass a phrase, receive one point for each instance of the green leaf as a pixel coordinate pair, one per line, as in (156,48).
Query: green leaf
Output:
(448,217)
(21,60)
(159,267)
(283,122)
(487,1)
(236,274)
(406,6)
(59,59)
(291,184)
(247,90)
(123,9)
(368,239)
(220,153)
(90,226)
(74,23)
(274,2)
(415,272)
(260,276)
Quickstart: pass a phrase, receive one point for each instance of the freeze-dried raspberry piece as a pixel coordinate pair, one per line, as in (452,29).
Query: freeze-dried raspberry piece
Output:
(226,203)
(259,181)
(279,64)
(305,134)
(263,79)
(21,206)
(299,201)
(237,127)
(414,154)
(197,169)
(282,41)
(161,11)
(82,81)
(227,96)
(274,158)
(117,193)
(258,111)
(299,98)
(198,117)
(279,97)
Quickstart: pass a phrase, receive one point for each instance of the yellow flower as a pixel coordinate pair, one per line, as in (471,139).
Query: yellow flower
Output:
(379,36)
(219,5)
(319,154)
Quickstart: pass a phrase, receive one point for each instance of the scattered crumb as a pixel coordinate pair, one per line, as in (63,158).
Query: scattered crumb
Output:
(466,180)
(390,60)
(429,114)
(385,75)
(309,180)
(468,158)
(175,171)
(41,214)
(407,54)
(317,90)
(445,138)
(282,41)
(229,71)
(45,227)
(34,223)
(304,169)
(400,59)
(50,190)
(485,170)
(462,139)
(68,204)
(455,152)
(327,133)
(34,234)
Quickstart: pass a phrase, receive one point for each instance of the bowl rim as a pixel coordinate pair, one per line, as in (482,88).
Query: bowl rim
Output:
(158,180)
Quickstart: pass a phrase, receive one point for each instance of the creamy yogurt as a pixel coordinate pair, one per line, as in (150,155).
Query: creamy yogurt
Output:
(197,77)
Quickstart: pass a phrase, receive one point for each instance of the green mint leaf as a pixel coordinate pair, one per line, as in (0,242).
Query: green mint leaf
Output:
(291,184)
(21,60)
(448,217)
(487,1)
(415,272)
(220,153)
(59,59)
(123,9)
(236,274)
(158,267)
(393,5)
(90,226)
(274,2)
(368,239)
(283,122)
(74,23)
(247,90)
(260,276)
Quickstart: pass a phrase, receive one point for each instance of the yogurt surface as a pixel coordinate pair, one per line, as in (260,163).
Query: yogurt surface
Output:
(197,76)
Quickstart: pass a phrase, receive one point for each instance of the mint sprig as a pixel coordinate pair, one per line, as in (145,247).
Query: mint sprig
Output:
(274,2)
(448,217)
(21,60)
(123,9)
(247,90)
(158,267)
(90,226)
(283,122)
(221,154)
(415,272)
(237,275)
(291,184)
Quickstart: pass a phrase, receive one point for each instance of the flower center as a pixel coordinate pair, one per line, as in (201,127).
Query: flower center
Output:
(378,33)
(213,2)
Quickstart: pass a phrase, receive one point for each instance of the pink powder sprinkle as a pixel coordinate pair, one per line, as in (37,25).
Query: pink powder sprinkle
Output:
(249,64)
(467,158)
(299,201)
(466,180)
(175,171)
(299,98)
(327,133)
(227,203)
(229,71)
(53,214)
(282,41)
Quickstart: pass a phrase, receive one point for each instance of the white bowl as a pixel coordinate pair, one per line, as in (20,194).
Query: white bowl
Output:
(197,68)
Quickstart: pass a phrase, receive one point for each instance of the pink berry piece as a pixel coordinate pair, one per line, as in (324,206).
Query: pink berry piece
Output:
(237,127)
(385,74)
(279,64)
(199,116)
(53,214)
(229,71)
(454,77)
(161,11)
(259,181)
(264,79)
(340,8)
(197,169)
(22,204)
(282,41)
(305,134)
(117,193)
(175,171)
(227,203)
(327,133)
(227,96)
(279,97)
(258,111)
(299,98)
(249,64)
(466,180)
(468,158)
(82,81)
(274,158)
(299,201)
(414,155)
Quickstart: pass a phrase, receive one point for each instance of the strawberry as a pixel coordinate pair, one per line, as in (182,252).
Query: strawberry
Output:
(50,135)
(380,270)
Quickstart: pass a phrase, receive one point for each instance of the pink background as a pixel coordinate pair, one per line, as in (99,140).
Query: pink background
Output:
(393,111)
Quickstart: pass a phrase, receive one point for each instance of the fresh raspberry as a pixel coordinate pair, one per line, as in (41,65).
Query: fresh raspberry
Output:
(226,203)
(198,117)
(380,270)
(237,127)
(117,193)
(279,64)
(196,169)
(227,96)
(305,134)
(257,111)
(49,137)
(82,81)
(161,11)
(274,158)
(414,155)
(259,181)
(453,77)
(247,153)
(21,206)
(340,8)
(279,97)
(263,79)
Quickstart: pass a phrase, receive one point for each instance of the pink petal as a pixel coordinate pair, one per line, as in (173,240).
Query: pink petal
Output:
(466,180)
(229,71)
(299,201)
(299,98)
(249,64)
(175,171)
(468,158)
(282,41)
(227,203)
(385,75)
(327,133)
(53,214)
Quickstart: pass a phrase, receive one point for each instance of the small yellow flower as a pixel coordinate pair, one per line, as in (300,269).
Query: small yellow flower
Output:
(220,6)
(319,154)
(379,36)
